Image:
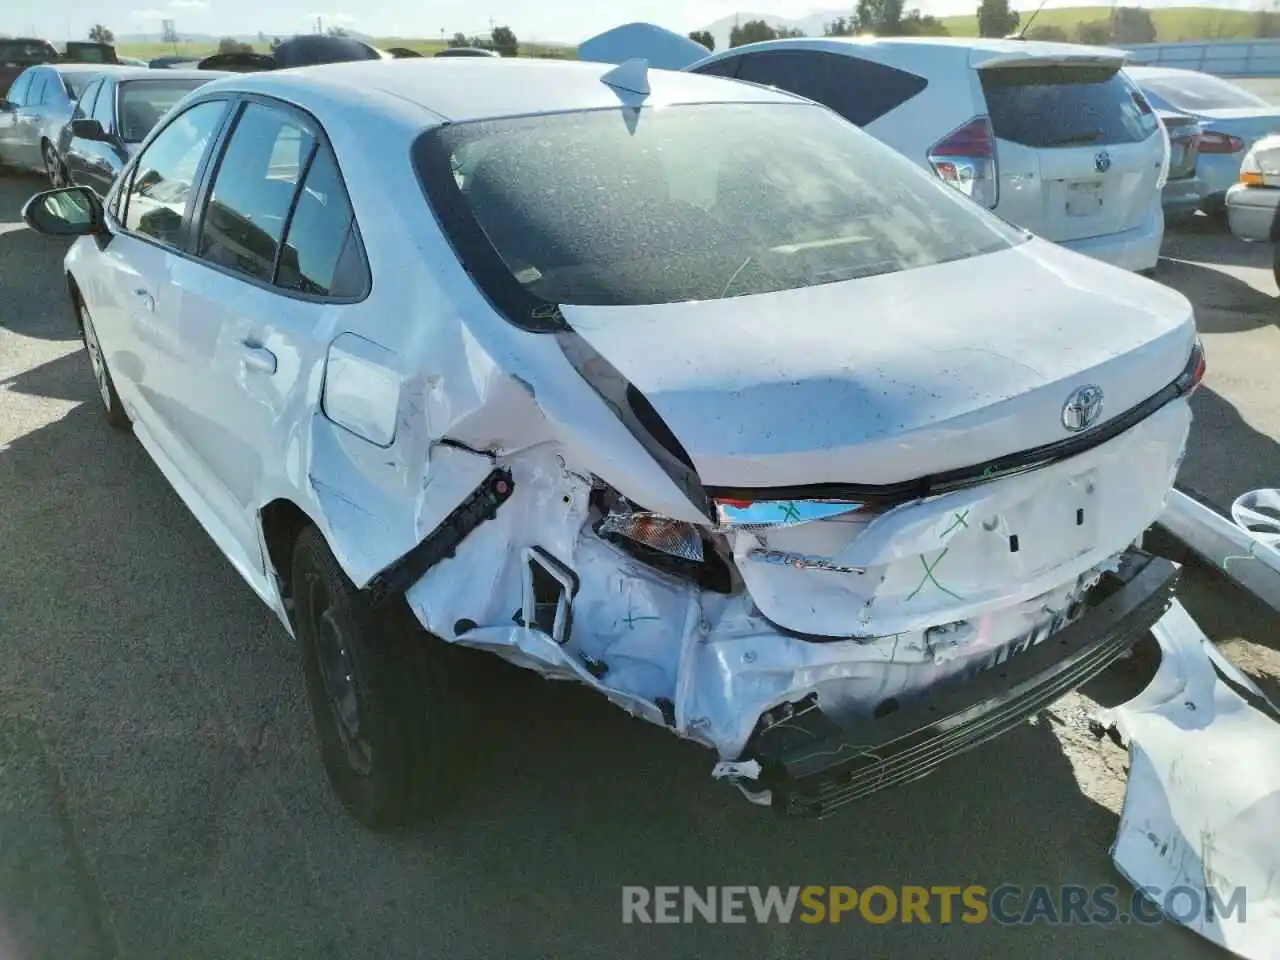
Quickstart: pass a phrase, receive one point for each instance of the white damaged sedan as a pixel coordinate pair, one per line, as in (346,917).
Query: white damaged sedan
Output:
(684,389)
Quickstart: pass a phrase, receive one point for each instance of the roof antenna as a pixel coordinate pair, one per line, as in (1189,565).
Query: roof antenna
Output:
(1022,28)
(630,75)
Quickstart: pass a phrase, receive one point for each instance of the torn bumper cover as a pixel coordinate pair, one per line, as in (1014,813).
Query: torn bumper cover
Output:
(811,765)
(1198,832)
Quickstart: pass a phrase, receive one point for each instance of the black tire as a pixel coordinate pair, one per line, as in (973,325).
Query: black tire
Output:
(1275,264)
(112,408)
(402,761)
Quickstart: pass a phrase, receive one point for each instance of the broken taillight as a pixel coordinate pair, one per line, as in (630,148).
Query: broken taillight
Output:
(672,537)
(733,512)
(966,159)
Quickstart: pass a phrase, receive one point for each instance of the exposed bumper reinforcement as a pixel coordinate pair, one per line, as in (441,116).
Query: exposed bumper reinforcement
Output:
(812,765)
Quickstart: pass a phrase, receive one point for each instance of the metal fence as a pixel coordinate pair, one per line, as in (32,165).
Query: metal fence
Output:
(1225,58)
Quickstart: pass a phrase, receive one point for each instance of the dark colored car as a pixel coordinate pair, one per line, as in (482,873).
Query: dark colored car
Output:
(19,53)
(114,115)
(34,111)
(171,63)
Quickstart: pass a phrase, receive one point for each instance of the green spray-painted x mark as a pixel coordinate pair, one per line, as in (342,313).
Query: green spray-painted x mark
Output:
(961,520)
(790,511)
(930,578)
(631,619)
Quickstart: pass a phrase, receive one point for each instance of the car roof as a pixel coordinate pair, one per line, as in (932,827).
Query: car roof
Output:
(123,74)
(974,50)
(475,88)
(87,67)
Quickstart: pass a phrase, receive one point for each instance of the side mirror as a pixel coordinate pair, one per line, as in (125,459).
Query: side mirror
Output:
(66,212)
(87,128)
(6,106)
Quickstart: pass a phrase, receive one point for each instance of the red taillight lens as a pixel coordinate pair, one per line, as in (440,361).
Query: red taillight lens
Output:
(966,159)
(1212,141)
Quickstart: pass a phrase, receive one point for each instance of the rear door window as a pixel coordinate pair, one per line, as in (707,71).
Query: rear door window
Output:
(17,94)
(253,191)
(859,90)
(35,96)
(1065,106)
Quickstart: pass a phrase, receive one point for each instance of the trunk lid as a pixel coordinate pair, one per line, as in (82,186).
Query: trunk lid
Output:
(892,378)
(1079,150)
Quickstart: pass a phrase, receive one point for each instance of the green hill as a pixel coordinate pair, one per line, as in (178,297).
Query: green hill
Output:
(1172,23)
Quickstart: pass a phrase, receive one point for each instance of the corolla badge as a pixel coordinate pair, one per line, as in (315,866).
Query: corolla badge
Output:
(1102,161)
(1083,408)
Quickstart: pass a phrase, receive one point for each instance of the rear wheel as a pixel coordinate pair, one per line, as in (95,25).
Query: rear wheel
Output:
(102,376)
(1275,263)
(386,710)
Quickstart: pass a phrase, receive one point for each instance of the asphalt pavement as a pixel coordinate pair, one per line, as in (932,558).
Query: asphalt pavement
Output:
(160,795)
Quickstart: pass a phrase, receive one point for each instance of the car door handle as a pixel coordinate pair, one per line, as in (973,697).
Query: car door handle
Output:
(259,358)
(148,301)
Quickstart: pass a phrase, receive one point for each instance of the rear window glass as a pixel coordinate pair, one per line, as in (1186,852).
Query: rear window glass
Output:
(1065,106)
(625,207)
(144,103)
(1200,91)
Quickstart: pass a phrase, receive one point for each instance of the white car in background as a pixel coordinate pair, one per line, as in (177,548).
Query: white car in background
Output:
(1051,136)
(1232,119)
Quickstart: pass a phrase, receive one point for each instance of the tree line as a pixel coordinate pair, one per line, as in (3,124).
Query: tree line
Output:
(891,18)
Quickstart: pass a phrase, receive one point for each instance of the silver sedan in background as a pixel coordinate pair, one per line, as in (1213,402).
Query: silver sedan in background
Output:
(37,105)
(1233,119)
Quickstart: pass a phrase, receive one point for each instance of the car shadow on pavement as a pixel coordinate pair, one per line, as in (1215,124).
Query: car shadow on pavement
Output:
(33,300)
(1206,240)
(1223,303)
(1225,455)
(32,286)
(170,704)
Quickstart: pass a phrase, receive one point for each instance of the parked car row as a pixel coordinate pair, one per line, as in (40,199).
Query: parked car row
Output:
(79,120)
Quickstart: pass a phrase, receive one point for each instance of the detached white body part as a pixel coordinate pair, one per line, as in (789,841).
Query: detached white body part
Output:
(1203,797)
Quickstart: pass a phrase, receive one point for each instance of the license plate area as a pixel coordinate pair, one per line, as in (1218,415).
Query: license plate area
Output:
(1084,199)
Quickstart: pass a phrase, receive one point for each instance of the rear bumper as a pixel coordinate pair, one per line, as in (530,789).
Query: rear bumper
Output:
(1134,250)
(1183,197)
(1251,212)
(812,765)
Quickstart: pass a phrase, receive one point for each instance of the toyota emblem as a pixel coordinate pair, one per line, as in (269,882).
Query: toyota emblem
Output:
(1083,408)
(1102,161)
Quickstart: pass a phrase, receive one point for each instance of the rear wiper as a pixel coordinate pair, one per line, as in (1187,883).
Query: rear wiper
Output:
(1086,136)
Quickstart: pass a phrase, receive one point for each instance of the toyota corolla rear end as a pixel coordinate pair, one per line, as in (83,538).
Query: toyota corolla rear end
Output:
(897,455)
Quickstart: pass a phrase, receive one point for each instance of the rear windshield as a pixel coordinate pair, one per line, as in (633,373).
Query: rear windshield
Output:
(143,103)
(1065,106)
(1200,91)
(658,205)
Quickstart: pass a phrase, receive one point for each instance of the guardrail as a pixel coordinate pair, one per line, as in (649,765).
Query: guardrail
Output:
(1224,58)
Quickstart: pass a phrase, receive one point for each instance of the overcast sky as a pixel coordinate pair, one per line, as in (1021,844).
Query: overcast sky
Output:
(565,20)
